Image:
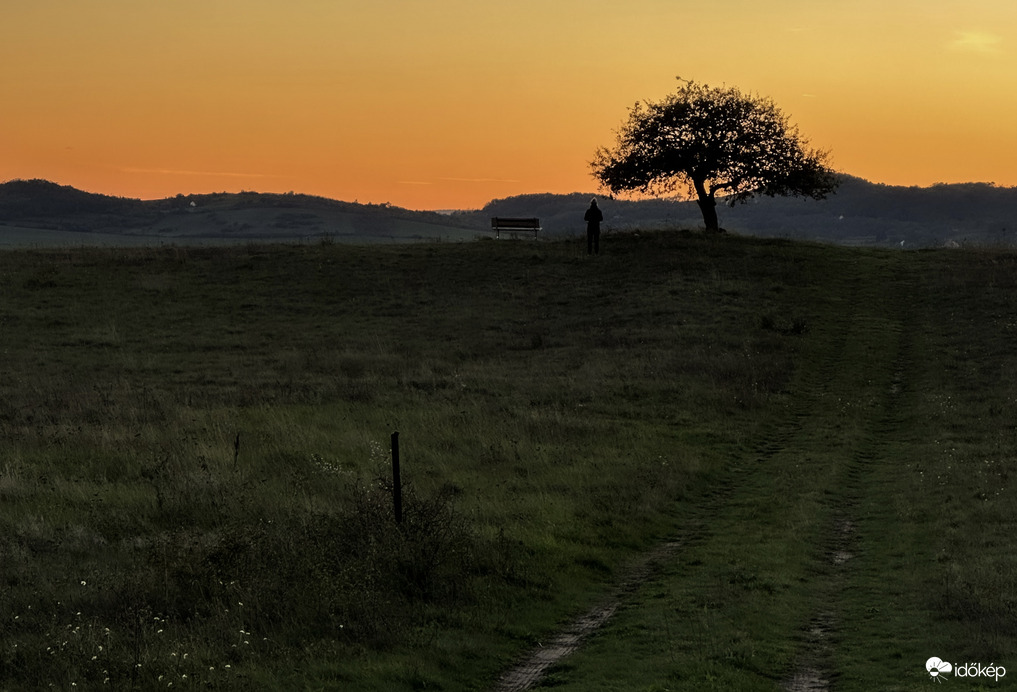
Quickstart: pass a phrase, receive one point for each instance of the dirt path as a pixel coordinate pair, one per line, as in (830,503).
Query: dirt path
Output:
(801,482)
(528,672)
(813,670)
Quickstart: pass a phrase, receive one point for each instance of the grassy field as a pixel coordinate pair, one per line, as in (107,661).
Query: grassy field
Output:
(255,226)
(194,486)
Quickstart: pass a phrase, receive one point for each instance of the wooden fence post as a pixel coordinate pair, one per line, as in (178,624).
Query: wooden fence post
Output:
(397,489)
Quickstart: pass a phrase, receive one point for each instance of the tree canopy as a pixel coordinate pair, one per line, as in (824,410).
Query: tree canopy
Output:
(710,141)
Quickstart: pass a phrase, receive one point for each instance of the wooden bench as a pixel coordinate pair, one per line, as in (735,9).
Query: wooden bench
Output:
(499,224)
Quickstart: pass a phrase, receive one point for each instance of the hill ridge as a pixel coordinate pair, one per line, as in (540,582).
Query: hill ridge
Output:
(859,213)
(40,212)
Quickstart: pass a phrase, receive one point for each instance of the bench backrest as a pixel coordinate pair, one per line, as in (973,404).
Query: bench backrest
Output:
(499,224)
(506,224)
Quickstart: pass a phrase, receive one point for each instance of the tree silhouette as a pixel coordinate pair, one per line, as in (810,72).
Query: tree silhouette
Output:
(709,141)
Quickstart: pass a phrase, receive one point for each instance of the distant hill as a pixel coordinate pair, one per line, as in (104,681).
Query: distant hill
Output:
(859,213)
(38,212)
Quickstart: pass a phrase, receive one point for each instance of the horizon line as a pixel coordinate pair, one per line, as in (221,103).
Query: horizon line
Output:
(599,194)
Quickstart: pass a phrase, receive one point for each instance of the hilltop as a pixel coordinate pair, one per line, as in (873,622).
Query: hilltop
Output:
(41,213)
(858,213)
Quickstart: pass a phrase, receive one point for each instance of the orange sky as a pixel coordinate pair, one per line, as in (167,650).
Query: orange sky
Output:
(449,103)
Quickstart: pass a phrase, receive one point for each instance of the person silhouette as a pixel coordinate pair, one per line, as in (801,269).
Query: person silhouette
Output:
(593,217)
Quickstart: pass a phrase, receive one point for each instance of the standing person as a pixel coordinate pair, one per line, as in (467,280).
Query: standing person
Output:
(593,217)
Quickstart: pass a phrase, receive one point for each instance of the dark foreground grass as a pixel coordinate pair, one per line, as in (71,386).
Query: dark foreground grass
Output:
(194,488)
(870,525)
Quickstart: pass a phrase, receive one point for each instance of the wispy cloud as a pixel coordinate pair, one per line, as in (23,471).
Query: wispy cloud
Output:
(456,180)
(205,174)
(979,42)
(478,180)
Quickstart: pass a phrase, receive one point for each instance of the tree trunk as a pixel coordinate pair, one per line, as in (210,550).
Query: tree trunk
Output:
(707,205)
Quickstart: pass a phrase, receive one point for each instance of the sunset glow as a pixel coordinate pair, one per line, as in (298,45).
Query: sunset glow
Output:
(450,103)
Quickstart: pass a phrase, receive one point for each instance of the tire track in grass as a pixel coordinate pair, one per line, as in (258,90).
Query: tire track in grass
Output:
(813,671)
(778,438)
(536,663)
(822,443)
(532,668)
(821,446)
